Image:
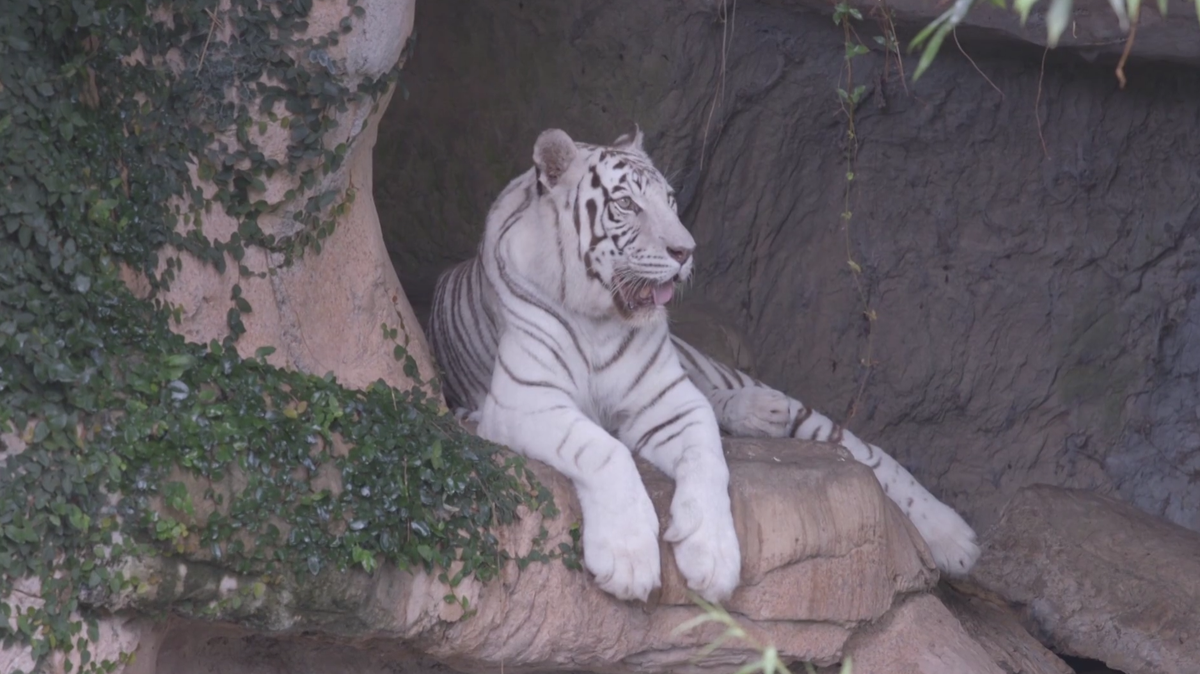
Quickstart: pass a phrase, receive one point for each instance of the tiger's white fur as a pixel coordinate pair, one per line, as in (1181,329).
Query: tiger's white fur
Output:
(555,339)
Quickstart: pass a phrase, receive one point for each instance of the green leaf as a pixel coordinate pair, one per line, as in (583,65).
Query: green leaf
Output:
(931,49)
(1023,7)
(435,455)
(1056,20)
(928,31)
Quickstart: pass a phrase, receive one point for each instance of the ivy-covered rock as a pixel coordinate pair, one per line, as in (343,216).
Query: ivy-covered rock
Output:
(182,372)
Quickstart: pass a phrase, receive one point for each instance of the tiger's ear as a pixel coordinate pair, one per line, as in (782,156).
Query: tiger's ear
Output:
(552,154)
(631,140)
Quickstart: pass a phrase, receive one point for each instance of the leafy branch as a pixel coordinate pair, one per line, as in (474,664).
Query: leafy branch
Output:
(1057,18)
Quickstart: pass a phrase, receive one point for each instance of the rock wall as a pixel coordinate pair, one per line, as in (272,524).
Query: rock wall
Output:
(1030,248)
(323,313)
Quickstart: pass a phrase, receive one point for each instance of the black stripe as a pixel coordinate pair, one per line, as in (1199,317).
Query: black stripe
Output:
(566,436)
(562,258)
(620,352)
(736,374)
(515,215)
(527,382)
(682,455)
(554,351)
(685,351)
(655,399)
(529,299)
(728,383)
(653,431)
(470,359)
(802,415)
(646,368)
(836,435)
(446,348)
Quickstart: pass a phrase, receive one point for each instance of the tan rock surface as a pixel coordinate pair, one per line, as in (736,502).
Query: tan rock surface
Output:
(1097,578)
(920,636)
(990,621)
(323,313)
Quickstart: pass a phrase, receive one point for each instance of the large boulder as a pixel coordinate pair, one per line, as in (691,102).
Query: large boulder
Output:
(922,637)
(989,620)
(1097,578)
(825,553)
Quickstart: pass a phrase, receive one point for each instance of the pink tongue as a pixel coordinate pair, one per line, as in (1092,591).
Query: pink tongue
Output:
(663,293)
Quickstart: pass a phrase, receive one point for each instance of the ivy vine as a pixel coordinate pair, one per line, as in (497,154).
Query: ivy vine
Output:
(106,416)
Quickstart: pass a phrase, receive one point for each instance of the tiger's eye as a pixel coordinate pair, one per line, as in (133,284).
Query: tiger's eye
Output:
(625,202)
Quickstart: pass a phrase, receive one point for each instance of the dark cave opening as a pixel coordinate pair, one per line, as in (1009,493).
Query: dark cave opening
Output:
(1087,665)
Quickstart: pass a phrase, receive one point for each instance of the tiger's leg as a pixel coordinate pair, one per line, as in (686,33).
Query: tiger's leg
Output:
(678,433)
(531,410)
(747,408)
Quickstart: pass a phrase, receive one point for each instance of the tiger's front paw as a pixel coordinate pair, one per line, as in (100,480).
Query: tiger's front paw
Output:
(706,544)
(620,546)
(949,537)
(752,412)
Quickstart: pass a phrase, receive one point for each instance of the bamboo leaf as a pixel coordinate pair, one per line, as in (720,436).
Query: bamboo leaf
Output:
(1056,20)
(931,50)
(1023,7)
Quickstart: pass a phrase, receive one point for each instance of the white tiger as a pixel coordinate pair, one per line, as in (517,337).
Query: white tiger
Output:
(555,339)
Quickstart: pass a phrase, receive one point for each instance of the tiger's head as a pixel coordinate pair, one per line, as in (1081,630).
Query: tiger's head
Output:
(630,242)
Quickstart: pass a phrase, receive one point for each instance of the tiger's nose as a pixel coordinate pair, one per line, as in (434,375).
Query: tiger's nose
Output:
(680,255)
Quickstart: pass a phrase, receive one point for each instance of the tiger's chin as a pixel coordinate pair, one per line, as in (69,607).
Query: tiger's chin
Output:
(643,301)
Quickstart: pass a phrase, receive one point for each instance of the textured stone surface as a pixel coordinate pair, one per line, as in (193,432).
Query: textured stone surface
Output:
(1097,578)
(1037,319)
(989,620)
(323,313)
(919,637)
